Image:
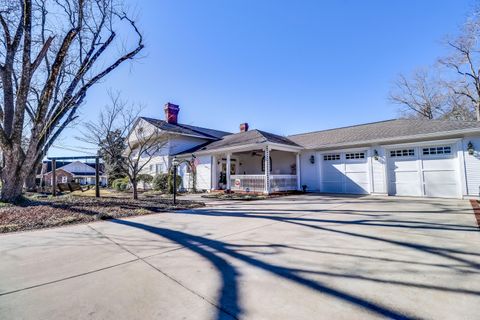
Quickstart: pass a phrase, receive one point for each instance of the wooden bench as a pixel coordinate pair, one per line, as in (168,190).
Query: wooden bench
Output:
(71,187)
(75,186)
(63,187)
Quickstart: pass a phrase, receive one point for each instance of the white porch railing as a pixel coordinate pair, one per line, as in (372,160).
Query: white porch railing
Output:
(248,182)
(256,182)
(283,182)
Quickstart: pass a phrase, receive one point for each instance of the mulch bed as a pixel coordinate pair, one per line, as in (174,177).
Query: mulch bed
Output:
(52,212)
(476,210)
(246,196)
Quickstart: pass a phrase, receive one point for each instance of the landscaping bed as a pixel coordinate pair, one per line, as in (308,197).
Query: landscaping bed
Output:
(476,210)
(246,196)
(38,213)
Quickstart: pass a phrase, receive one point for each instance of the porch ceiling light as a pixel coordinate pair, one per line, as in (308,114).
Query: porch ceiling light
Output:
(312,159)
(470,148)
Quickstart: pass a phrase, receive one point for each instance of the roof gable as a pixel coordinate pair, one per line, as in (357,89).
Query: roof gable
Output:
(243,138)
(185,129)
(78,167)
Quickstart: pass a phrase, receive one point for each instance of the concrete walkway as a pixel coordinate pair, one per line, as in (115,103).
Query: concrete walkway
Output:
(297,257)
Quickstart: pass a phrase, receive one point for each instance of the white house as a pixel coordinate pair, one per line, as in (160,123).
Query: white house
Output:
(423,158)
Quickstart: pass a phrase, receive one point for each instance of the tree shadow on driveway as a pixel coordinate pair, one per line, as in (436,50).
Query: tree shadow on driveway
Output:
(228,301)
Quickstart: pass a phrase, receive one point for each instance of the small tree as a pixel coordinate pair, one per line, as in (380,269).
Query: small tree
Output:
(111,150)
(143,144)
(108,133)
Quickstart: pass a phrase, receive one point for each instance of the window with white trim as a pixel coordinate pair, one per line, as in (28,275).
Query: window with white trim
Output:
(331,157)
(402,153)
(356,155)
(159,168)
(437,150)
(64,179)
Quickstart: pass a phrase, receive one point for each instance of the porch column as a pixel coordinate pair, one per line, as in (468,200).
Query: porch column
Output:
(228,171)
(267,169)
(299,187)
(214,185)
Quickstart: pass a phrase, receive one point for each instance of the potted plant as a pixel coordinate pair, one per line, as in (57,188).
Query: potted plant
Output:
(304,188)
(222,182)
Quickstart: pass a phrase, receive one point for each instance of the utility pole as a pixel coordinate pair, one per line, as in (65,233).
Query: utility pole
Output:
(97,177)
(54,177)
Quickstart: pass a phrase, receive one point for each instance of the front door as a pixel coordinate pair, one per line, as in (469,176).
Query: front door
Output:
(222,176)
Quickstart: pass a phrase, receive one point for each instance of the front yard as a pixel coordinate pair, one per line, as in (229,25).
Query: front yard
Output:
(37,213)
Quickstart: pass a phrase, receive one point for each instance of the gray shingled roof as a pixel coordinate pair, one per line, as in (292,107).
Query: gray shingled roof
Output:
(384,130)
(243,138)
(187,129)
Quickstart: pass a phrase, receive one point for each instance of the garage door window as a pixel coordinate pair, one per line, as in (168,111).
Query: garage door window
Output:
(331,157)
(402,153)
(437,150)
(357,155)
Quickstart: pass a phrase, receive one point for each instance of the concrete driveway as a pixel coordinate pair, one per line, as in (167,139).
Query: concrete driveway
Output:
(297,257)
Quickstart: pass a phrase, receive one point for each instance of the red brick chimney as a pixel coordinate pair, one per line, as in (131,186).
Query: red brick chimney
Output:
(244,127)
(171,113)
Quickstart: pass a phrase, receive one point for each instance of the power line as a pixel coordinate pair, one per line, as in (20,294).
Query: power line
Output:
(73,149)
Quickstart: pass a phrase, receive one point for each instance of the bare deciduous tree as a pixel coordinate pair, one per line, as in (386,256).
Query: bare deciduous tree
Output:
(109,131)
(465,63)
(143,144)
(420,96)
(140,142)
(51,54)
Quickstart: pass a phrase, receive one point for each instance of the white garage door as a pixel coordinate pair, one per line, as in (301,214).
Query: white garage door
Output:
(345,173)
(429,171)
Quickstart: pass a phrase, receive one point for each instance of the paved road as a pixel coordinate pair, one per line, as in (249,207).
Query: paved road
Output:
(297,257)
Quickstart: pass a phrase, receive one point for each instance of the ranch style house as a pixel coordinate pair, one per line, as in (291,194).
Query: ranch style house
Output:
(400,157)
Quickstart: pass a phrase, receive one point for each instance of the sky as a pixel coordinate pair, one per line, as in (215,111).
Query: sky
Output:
(286,67)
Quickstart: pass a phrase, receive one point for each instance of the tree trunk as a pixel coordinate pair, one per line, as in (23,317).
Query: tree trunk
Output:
(31,180)
(135,191)
(478,111)
(17,166)
(12,181)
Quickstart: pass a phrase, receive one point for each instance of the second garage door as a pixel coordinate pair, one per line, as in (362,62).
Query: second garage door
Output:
(423,171)
(345,173)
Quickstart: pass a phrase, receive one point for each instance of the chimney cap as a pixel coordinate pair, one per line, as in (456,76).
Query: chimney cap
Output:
(171,112)
(171,105)
(244,127)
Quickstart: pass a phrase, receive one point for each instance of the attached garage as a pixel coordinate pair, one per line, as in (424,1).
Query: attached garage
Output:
(345,172)
(423,171)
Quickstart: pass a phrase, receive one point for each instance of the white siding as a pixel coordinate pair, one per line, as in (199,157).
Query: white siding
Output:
(378,171)
(282,161)
(472,166)
(309,172)
(174,145)
(250,164)
(204,169)
(182,143)
(160,158)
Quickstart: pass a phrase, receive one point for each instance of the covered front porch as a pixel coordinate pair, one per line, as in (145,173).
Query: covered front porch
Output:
(261,170)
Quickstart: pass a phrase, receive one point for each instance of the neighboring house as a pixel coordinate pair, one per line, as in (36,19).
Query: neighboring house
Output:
(82,173)
(424,158)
